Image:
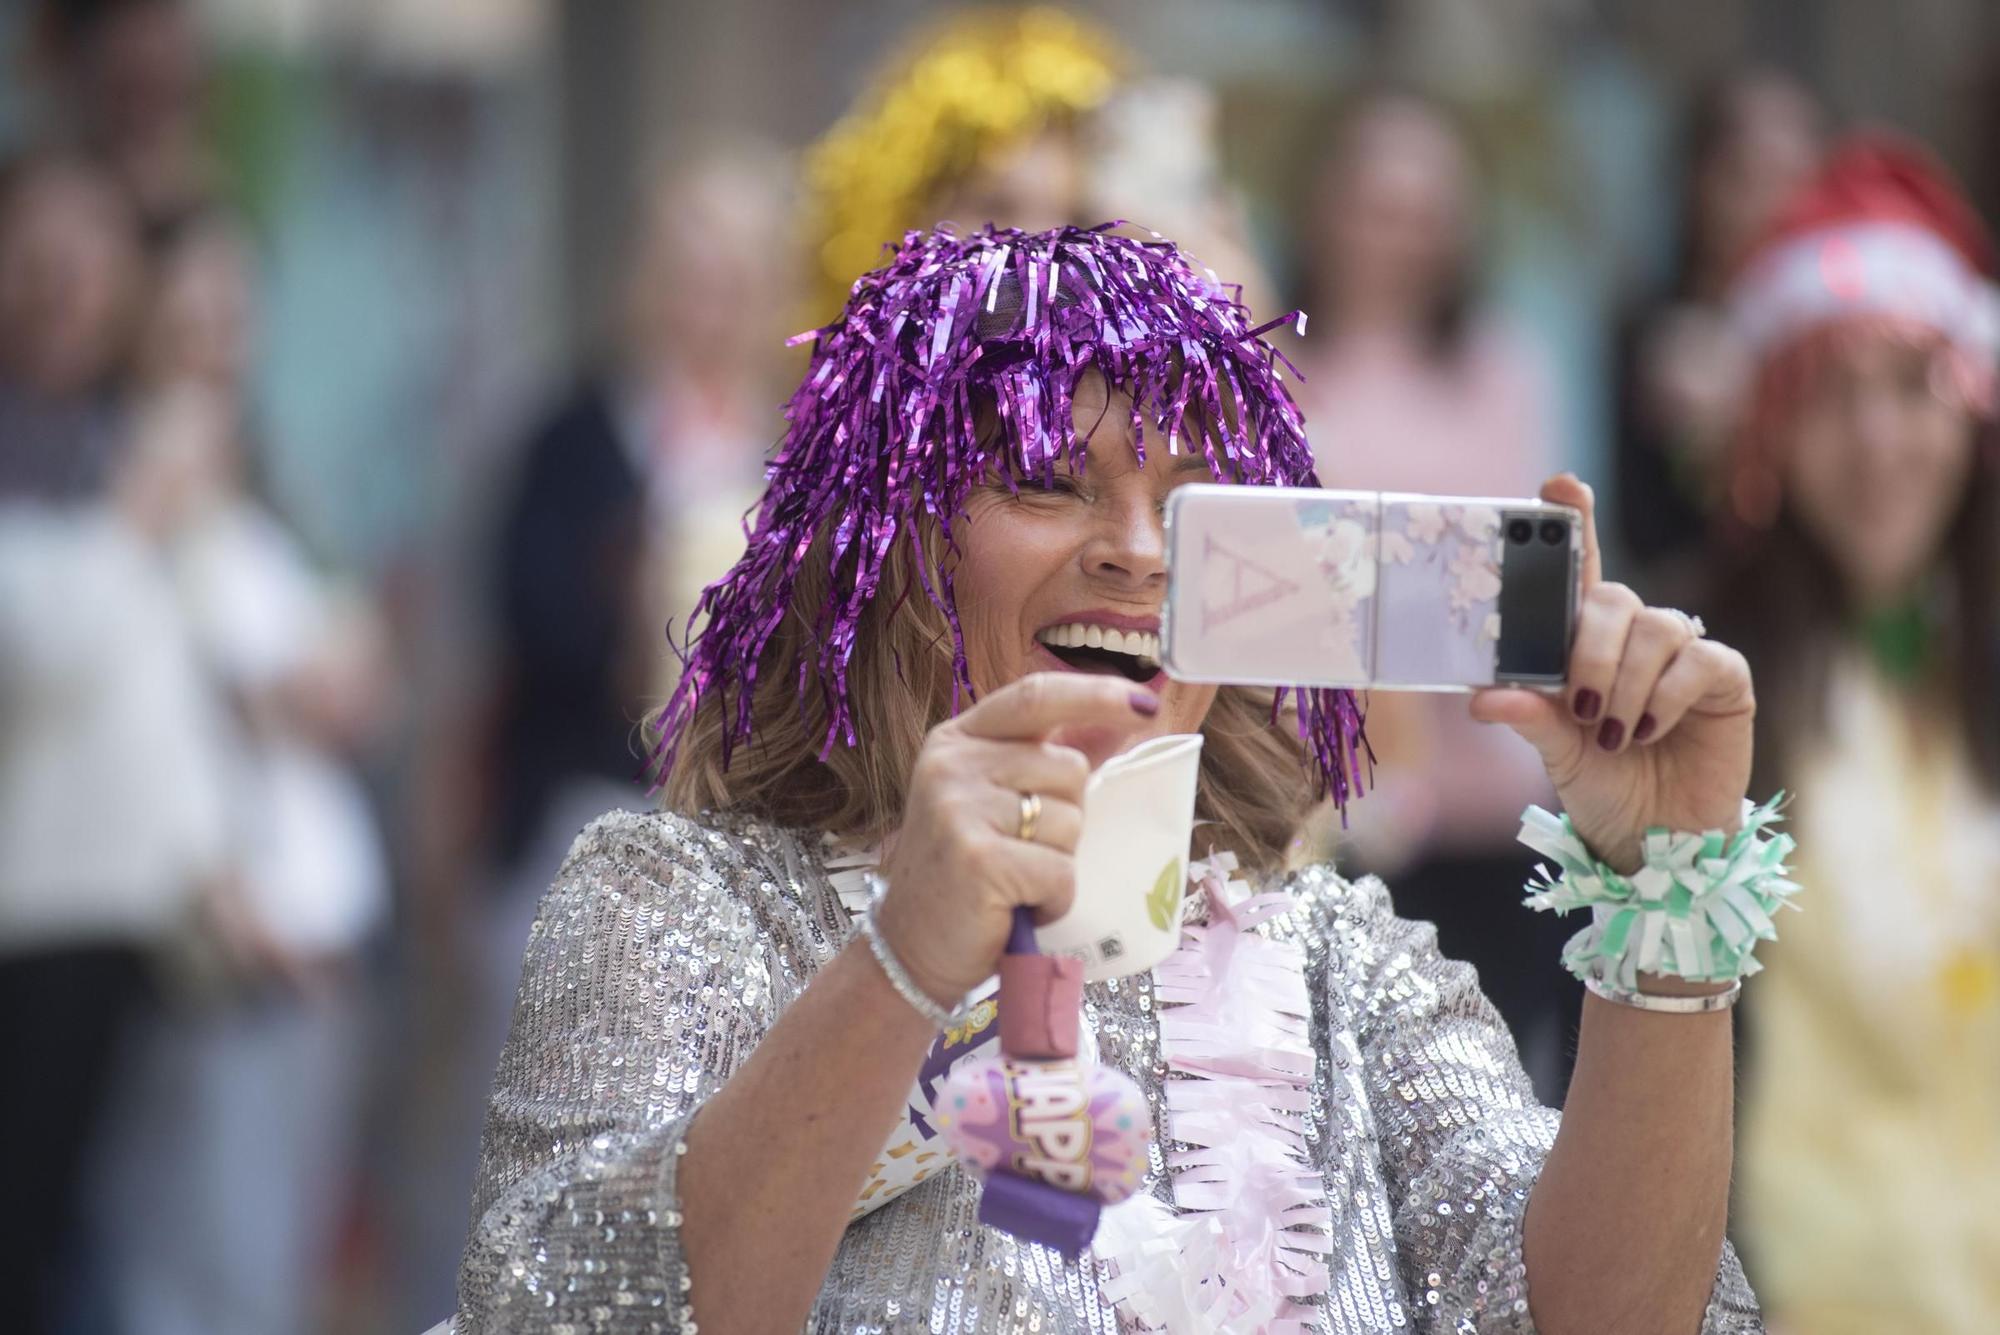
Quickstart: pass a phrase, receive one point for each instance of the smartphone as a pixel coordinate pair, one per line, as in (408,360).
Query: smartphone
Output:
(1288,586)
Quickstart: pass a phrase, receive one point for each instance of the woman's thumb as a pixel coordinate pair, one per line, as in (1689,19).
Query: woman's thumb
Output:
(1541,719)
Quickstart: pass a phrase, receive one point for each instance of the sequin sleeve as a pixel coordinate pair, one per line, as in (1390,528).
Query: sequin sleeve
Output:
(648,979)
(1462,1138)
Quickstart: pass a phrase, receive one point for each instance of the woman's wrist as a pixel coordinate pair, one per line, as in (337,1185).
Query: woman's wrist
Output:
(1685,922)
(935,1001)
(889,1010)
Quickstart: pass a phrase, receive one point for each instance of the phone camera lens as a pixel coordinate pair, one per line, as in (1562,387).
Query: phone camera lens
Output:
(1554,531)
(1520,531)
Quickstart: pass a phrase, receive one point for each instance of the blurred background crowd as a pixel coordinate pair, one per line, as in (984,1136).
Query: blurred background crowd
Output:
(379,381)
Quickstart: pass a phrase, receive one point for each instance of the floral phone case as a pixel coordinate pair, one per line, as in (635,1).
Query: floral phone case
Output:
(1293,587)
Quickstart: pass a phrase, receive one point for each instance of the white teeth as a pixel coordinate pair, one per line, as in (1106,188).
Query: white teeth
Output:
(1143,645)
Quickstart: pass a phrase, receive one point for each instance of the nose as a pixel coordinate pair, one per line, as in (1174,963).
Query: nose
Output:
(1879,424)
(1129,546)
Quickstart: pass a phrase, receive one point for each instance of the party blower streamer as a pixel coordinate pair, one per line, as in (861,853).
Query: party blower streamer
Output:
(884,440)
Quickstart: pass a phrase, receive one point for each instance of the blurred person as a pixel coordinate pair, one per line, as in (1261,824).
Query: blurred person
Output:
(711,273)
(127,78)
(1865,483)
(874,763)
(69,278)
(1415,386)
(1403,348)
(1023,116)
(103,709)
(229,1160)
(1751,139)
(626,499)
(978,118)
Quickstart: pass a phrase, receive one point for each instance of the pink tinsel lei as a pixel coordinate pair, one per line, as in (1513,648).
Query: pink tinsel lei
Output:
(884,433)
(1245,1248)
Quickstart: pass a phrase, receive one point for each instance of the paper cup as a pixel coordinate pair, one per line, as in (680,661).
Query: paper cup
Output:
(1131,861)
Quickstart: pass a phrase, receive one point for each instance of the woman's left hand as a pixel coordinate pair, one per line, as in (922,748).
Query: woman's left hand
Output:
(1654,727)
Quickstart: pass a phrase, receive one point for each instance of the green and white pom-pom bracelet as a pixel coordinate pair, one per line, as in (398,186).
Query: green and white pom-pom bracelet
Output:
(1695,910)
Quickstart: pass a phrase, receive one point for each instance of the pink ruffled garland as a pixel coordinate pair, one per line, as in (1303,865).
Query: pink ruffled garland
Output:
(1252,1228)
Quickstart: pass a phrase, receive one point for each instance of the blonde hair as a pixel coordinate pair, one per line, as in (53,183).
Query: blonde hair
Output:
(1254,790)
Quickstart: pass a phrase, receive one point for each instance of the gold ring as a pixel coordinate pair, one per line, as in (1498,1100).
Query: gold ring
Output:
(1031,817)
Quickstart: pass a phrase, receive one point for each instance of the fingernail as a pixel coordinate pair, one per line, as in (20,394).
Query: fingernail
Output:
(1145,702)
(1645,729)
(1612,733)
(1587,705)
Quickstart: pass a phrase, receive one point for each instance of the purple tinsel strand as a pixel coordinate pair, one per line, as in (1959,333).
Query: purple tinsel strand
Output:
(882,434)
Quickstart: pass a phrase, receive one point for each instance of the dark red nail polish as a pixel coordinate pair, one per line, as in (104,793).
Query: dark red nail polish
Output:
(1612,733)
(1645,729)
(1145,702)
(1587,705)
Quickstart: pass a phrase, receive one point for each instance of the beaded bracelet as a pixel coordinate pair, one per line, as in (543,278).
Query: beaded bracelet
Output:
(899,977)
(1695,909)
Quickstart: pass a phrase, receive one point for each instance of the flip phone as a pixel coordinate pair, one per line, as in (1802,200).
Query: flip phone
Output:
(1288,586)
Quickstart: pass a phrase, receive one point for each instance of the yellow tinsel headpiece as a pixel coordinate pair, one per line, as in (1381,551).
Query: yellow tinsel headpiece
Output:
(982,83)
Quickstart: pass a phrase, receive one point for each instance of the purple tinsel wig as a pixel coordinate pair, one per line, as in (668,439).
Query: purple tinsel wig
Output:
(893,426)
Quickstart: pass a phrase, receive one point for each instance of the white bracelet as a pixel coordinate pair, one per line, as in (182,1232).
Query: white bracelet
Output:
(899,977)
(1649,1001)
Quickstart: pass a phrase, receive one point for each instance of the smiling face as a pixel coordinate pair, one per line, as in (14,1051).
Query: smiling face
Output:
(830,649)
(1878,464)
(1071,577)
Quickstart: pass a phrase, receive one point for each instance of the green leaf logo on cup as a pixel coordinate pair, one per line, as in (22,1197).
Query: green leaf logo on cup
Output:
(1131,860)
(1163,906)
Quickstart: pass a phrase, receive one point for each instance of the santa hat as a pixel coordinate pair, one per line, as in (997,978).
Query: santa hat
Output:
(1880,239)
(1882,233)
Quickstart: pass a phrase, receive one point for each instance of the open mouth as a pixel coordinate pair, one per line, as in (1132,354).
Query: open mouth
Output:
(1131,654)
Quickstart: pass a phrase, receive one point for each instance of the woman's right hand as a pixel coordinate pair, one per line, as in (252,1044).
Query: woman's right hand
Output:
(956,868)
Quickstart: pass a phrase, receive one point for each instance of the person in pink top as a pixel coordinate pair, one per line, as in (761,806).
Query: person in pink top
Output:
(1410,385)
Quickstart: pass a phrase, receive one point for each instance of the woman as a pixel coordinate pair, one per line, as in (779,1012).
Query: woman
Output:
(1414,386)
(1868,486)
(1021,115)
(627,499)
(227,1160)
(101,701)
(977,119)
(706,1063)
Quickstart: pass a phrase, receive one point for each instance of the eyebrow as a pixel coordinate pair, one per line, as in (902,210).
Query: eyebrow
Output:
(1187,461)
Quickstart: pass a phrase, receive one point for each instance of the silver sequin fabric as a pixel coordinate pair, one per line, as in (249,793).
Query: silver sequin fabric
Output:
(667,948)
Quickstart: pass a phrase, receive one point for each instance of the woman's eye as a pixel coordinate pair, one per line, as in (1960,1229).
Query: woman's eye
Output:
(1058,485)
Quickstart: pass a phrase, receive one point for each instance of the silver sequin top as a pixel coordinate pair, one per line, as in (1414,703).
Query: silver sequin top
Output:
(667,949)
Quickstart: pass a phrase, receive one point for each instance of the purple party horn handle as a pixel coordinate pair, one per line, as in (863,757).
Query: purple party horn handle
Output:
(1037,1212)
(1041,997)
